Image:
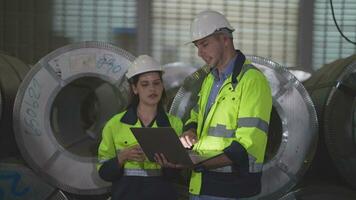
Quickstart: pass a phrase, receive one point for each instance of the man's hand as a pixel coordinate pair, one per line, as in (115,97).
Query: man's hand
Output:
(161,160)
(133,153)
(188,138)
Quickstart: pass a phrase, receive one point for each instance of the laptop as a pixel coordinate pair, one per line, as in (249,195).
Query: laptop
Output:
(165,140)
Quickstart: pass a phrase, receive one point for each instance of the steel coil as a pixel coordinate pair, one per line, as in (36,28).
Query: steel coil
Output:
(333,90)
(12,72)
(19,182)
(173,77)
(61,108)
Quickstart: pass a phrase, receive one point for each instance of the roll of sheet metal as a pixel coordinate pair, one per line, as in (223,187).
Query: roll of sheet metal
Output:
(173,77)
(301,75)
(12,72)
(61,108)
(333,90)
(293,127)
(19,182)
(175,73)
(324,192)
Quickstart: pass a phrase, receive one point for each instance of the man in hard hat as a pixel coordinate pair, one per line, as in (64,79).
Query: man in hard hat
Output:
(232,114)
(121,160)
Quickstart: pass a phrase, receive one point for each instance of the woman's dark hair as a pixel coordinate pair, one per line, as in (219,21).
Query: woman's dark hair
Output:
(134,99)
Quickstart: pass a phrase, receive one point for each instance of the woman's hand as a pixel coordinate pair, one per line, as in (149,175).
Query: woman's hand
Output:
(161,160)
(133,153)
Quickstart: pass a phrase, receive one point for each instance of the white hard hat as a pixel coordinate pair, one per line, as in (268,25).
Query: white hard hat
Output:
(206,23)
(142,64)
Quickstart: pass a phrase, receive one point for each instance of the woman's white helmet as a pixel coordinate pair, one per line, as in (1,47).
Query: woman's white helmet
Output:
(206,23)
(142,64)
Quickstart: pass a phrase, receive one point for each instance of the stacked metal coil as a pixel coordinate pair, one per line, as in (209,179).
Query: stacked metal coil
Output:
(61,107)
(333,90)
(173,77)
(17,181)
(12,72)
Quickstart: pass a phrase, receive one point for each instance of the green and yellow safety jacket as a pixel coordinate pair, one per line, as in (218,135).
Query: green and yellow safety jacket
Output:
(237,124)
(141,178)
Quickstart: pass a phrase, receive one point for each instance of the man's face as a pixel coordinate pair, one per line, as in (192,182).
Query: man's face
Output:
(149,88)
(211,50)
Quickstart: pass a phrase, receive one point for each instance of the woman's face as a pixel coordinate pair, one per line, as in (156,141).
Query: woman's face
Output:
(149,88)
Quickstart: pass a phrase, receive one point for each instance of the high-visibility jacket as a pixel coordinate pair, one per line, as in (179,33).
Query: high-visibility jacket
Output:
(135,179)
(237,123)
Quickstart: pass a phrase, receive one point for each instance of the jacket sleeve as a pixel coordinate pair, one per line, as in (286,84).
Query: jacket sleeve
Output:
(192,121)
(248,148)
(177,125)
(108,165)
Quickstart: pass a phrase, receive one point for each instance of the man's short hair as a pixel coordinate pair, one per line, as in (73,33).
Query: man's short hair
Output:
(225,31)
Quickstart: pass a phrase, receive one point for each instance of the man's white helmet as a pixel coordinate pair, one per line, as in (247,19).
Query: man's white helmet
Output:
(206,23)
(142,64)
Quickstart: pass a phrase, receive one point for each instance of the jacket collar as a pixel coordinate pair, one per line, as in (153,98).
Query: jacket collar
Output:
(239,62)
(130,117)
(226,73)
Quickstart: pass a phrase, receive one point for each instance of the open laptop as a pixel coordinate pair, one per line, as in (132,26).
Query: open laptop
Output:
(165,140)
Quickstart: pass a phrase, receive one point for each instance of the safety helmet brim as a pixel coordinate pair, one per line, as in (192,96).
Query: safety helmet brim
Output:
(142,72)
(143,64)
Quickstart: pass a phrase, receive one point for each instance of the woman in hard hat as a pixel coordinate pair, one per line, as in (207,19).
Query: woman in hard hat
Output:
(121,160)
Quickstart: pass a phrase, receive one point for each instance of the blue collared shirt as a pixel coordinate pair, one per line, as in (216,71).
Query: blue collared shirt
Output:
(219,79)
